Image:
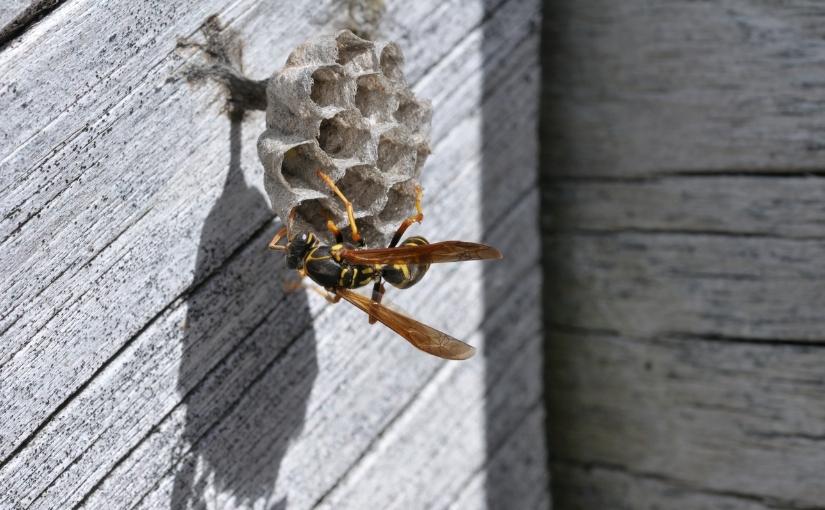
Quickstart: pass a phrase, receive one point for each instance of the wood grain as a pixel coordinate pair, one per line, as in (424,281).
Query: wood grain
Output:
(646,284)
(683,244)
(790,207)
(635,88)
(712,417)
(177,372)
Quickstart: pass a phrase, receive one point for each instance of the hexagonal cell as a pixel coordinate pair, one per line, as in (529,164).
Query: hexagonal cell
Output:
(392,62)
(371,235)
(343,135)
(422,152)
(328,87)
(410,113)
(363,186)
(312,215)
(354,52)
(394,157)
(400,203)
(300,164)
(372,97)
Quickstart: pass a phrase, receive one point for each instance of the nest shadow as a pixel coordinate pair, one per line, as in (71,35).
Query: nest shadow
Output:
(248,359)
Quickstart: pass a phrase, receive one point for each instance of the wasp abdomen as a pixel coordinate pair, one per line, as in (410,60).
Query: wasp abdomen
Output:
(352,277)
(403,276)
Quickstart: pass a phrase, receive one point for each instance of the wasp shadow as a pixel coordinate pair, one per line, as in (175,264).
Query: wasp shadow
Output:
(248,358)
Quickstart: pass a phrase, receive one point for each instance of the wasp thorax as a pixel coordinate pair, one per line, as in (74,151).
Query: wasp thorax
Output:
(341,106)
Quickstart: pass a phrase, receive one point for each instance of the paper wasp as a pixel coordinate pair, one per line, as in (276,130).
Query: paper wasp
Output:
(341,267)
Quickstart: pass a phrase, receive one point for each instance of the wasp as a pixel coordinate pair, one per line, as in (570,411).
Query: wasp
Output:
(342,267)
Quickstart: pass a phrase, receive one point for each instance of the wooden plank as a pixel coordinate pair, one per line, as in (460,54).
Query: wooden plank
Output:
(704,422)
(78,127)
(743,206)
(344,416)
(216,351)
(643,284)
(640,89)
(623,490)
(158,247)
(683,237)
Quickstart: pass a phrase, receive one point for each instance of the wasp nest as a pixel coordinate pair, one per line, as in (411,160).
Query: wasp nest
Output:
(341,105)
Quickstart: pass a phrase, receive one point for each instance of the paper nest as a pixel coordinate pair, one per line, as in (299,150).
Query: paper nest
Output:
(341,105)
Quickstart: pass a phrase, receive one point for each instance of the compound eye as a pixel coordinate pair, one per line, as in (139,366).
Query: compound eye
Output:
(303,237)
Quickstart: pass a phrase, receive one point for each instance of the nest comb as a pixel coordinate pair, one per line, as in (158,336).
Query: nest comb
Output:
(341,105)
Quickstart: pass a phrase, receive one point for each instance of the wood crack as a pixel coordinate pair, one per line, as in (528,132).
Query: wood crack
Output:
(812,344)
(26,19)
(606,232)
(764,434)
(777,173)
(769,501)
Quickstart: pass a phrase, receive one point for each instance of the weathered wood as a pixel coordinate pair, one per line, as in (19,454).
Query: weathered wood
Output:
(634,88)
(717,417)
(683,226)
(178,371)
(617,488)
(790,207)
(646,284)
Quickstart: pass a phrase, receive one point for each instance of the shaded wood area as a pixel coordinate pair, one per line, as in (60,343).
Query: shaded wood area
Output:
(150,357)
(684,240)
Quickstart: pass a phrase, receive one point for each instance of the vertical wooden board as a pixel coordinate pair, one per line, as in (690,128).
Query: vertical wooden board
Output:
(640,88)
(682,156)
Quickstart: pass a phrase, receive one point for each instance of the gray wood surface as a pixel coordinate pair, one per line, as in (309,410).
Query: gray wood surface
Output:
(684,235)
(149,355)
(680,86)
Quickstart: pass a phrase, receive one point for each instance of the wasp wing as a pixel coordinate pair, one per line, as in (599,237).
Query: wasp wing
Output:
(423,337)
(445,251)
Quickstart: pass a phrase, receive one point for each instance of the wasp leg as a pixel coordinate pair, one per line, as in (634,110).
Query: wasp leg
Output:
(273,244)
(377,294)
(418,217)
(298,285)
(329,296)
(347,205)
(339,237)
(292,286)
